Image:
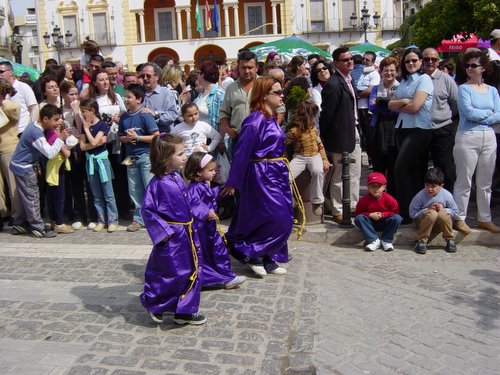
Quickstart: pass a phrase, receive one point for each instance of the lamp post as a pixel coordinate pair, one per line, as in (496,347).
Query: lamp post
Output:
(17,47)
(58,40)
(365,20)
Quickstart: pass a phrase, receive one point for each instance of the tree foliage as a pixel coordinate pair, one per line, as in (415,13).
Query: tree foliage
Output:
(442,19)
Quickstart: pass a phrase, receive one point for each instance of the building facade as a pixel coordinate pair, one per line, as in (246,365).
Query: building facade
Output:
(135,31)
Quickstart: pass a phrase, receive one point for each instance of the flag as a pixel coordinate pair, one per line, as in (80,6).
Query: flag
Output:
(208,21)
(216,17)
(197,15)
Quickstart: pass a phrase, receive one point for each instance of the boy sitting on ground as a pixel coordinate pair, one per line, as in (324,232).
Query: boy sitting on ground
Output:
(433,210)
(377,211)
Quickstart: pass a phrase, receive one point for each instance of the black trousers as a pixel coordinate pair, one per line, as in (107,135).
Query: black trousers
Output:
(413,146)
(441,148)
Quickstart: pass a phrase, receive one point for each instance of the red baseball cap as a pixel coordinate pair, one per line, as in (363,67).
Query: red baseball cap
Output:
(376,177)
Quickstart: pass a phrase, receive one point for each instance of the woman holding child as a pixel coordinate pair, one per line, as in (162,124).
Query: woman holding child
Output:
(263,220)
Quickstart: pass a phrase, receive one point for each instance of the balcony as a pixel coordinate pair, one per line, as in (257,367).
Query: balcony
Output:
(30,19)
(391,23)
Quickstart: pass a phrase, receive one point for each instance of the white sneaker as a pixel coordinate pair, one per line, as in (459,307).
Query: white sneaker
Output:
(387,246)
(238,280)
(91,226)
(76,225)
(278,271)
(373,245)
(259,270)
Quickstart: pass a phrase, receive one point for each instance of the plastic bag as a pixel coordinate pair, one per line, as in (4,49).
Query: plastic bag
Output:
(223,166)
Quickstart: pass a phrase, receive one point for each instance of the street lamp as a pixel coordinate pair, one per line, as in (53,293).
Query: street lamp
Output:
(365,20)
(58,40)
(17,47)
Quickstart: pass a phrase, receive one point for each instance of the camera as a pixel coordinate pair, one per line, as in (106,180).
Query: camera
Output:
(107,118)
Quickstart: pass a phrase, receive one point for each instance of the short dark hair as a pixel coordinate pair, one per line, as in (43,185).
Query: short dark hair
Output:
(162,60)
(108,64)
(7,64)
(46,79)
(312,56)
(357,59)
(404,72)
(434,176)
(186,106)
(51,62)
(49,111)
(90,104)
(137,90)
(339,51)
(372,54)
(96,58)
(161,150)
(210,71)
(476,53)
(247,55)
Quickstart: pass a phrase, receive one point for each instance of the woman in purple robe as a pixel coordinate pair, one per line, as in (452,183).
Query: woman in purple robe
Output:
(263,220)
(216,271)
(171,280)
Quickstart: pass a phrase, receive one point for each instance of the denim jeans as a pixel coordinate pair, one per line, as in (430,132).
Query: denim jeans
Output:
(138,175)
(104,197)
(388,226)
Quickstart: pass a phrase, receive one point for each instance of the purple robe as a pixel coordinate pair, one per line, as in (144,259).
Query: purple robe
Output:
(264,216)
(167,284)
(216,264)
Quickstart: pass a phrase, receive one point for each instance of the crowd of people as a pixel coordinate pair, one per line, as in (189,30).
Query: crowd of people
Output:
(85,147)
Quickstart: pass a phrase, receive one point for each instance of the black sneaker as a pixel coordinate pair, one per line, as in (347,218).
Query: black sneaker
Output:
(451,246)
(158,318)
(421,247)
(46,233)
(20,229)
(196,319)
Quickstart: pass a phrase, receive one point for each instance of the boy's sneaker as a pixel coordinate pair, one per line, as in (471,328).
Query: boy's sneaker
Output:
(98,228)
(196,319)
(20,229)
(112,228)
(158,318)
(91,226)
(77,225)
(387,246)
(372,246)
(278,271)
(451,246)
(461,226)
(46,233)
(134,227)
(237,281)
(63,228)
(421,247)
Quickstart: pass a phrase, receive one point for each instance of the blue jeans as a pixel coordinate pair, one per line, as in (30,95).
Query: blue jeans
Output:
(388,226)
(138,175)
(104,197)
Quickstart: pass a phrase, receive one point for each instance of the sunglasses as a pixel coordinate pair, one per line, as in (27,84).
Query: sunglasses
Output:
(346,60)
(277,92)
(430,59)
(413,61)
(473,66)
(3,71)
(147,76)
(319,70)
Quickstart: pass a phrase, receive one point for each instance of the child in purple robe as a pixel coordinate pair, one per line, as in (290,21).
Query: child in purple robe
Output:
(216,271)
(172,277)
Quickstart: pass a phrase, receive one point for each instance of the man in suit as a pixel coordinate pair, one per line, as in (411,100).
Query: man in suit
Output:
(338,130)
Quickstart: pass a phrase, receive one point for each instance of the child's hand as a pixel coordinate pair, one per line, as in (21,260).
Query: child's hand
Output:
(75,105)
(375,216)
(212,215)
(438,207)
(326,166)
(65,133)
(227,190)
(131,135)
(103,140)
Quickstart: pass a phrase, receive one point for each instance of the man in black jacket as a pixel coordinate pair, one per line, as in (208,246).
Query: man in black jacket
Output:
(338,130)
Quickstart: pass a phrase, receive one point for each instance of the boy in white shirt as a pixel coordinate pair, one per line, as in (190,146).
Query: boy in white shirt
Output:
(195,133)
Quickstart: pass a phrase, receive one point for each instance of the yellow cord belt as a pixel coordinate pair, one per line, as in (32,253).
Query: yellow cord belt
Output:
(295,192)
(194,275)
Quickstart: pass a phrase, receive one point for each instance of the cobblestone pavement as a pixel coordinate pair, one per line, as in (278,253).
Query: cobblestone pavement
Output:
(69,305)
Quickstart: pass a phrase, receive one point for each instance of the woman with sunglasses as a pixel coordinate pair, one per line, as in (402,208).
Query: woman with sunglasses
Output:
(320,74)
(475,142)
(413,100)
(263,219)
